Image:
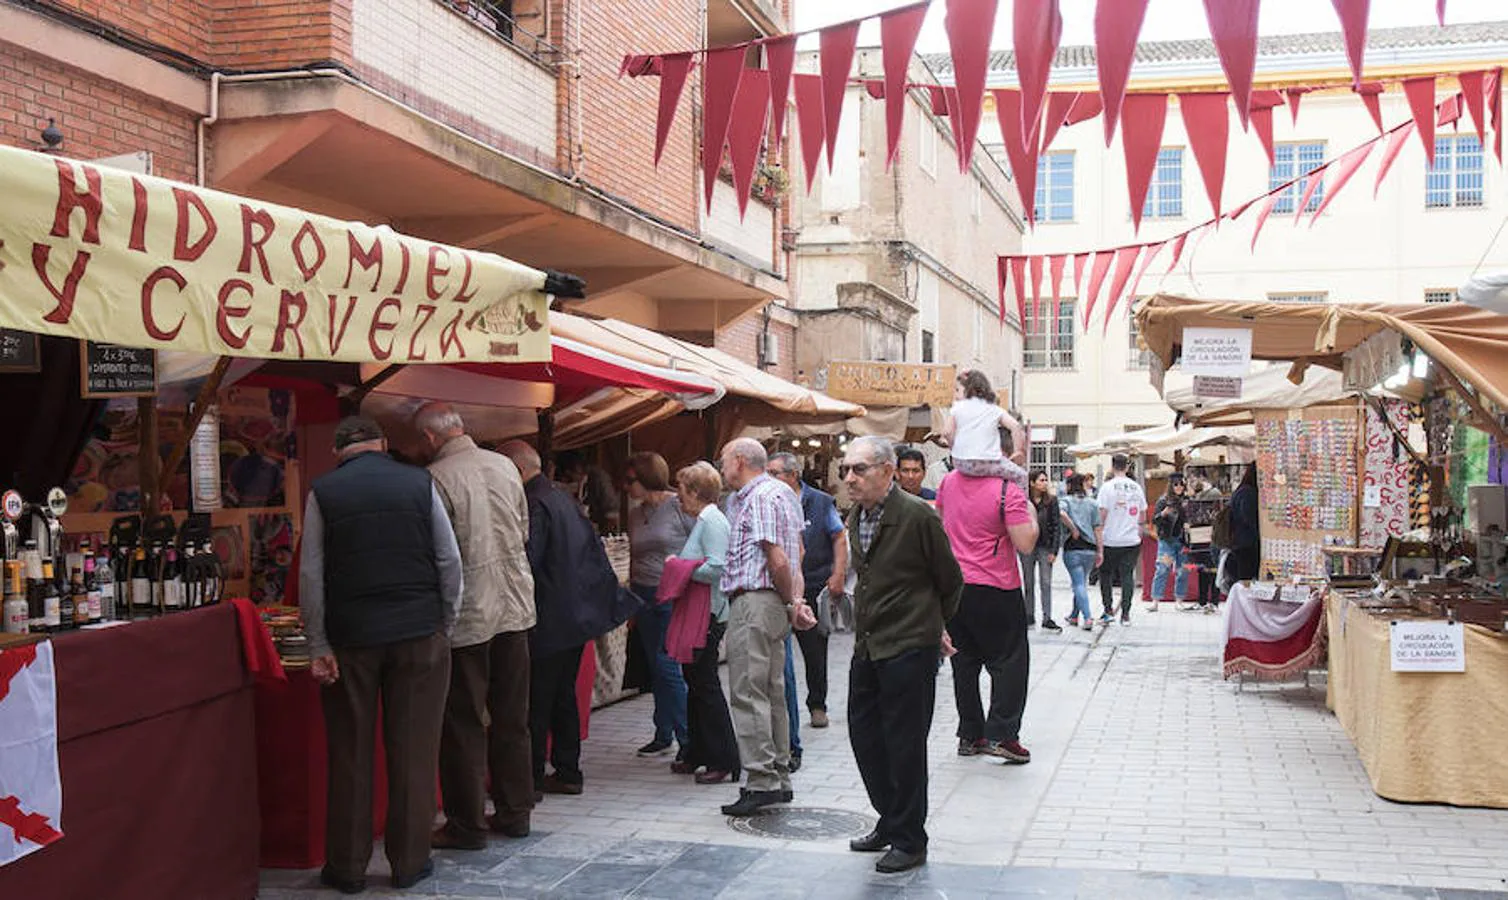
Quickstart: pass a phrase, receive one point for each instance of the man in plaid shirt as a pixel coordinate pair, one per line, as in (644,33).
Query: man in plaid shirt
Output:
(762,580)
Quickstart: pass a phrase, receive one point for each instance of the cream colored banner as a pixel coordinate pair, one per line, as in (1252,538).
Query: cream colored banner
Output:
(90,252)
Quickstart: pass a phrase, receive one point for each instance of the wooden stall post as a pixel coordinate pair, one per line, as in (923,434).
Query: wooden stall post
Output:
(146,454)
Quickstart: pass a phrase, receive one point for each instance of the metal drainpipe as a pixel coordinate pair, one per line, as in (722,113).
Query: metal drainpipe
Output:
(218,78)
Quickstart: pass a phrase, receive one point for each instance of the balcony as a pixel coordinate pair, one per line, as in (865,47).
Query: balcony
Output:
(752,239)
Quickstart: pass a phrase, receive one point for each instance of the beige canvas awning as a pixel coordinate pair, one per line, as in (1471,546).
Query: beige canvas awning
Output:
(1165,440)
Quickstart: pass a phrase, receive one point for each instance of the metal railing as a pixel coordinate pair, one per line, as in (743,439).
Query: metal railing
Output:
(497,17)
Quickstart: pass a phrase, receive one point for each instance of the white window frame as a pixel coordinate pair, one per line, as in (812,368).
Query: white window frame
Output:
(1052,456)
(1440,295)
(1298,296)
(1165,192)
(1057,352)
(1291,159)
(1447,185)
(1047,184)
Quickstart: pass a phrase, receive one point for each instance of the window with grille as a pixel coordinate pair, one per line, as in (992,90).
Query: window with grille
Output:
(1300,297)
(1050,345)
(929,347)
(1055,186)
(1165,194)
(1455,178)
(1290,161)
(1140,357)
(1440,295)
(1053,456)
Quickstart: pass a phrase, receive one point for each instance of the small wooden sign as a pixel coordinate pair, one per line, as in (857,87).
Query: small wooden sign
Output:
(109,370)
(891,384)
(20,351)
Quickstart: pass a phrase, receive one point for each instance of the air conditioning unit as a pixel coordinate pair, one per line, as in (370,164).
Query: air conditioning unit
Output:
(769,348)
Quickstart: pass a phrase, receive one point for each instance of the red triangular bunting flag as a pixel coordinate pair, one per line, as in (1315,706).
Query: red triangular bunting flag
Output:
(1116,27)
(1208,126)
(1494,90)
(1390,153)
(637,65)
(1294,95)
(1146,261)
(1440,11)
(1473,90)
(875,88)
(1371,94)
(1353,24)
(780,55)
(955,122)
(1448,112)
(1036,270)
(1233,25)
(1125,260)
(1023,159)
(898,31)
(1079,259)
(1261,123)
(1087,106)
(1178,243)
(837,60)
(1018,275)
(1001,262)
(674,70)
(1311,182)
(937,99)
(1097,271)
(751,114)
(808,90)
(1055,276)
(719,86)
(1345,167)
(1141,138)
(1421,96)
(1058,106)
(969,24)
(1038,29)
(1267,206)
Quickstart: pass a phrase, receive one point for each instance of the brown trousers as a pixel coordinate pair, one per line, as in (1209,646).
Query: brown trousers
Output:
(486,730)
(410,679)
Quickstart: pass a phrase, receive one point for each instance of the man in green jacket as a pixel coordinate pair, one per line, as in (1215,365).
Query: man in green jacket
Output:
(909,585)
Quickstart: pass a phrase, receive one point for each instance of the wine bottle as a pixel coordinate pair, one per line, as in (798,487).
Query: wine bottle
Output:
(212,584)
(172,581)
(141,584)
(104,588)
(52,612)
(17,611)
(96,611)
(80,592)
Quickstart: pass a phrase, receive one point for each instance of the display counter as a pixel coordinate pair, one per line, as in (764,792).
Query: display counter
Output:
(156,744)
(1424,737)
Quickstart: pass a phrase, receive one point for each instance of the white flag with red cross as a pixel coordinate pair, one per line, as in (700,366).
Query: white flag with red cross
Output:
(31,791)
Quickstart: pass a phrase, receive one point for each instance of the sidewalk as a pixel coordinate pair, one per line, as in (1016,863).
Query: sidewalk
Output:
(1150,777)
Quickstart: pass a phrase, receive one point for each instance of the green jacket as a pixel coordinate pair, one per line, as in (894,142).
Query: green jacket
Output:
(909,583)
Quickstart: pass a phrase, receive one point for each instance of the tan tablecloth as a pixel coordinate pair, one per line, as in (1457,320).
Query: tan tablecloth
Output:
(1426,737)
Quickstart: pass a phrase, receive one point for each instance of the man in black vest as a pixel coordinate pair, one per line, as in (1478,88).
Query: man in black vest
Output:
(380,587)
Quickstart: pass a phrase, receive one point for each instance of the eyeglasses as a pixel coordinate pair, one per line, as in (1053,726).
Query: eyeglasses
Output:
(859,469)
(775,473)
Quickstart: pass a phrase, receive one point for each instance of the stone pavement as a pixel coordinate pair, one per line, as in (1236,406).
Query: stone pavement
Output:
(1151,777)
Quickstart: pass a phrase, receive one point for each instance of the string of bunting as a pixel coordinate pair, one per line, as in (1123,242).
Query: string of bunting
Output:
(1120,264)
(736,97)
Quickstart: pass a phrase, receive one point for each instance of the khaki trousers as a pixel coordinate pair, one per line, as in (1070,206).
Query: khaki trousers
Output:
(410,678)
(758,623)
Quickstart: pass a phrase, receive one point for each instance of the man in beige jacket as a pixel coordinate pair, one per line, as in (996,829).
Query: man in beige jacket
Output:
(489,655)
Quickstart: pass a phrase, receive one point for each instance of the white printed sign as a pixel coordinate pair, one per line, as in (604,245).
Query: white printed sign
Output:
(1222,352)
(1264,590)
(1428,646)
(1213,388)
(1371,496)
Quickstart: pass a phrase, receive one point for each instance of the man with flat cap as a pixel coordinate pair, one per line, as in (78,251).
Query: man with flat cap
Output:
(380,587)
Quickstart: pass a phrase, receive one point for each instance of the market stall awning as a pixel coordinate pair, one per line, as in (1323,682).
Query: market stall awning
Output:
(786,401)
(1471,343)
(87,251)
(1165,440)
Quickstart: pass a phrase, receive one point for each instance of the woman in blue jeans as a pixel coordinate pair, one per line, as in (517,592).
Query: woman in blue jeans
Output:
(657,528)
(1081,516)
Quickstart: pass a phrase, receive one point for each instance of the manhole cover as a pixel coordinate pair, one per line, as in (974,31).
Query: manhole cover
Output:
(797,823)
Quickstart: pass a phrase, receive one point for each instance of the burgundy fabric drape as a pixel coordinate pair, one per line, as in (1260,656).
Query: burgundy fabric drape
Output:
(59,421)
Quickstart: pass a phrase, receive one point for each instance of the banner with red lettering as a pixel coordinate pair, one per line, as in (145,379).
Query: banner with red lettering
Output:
(91,252)
(31,791)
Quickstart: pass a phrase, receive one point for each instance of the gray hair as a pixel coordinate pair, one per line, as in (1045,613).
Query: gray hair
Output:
(879,449)
(523,455)
(751,452)
(440,419)
(790,461)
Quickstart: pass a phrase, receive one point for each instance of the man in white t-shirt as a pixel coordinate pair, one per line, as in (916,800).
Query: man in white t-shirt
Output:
(1123,508)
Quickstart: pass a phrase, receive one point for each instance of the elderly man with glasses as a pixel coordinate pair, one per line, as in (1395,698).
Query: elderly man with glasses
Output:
(908,586)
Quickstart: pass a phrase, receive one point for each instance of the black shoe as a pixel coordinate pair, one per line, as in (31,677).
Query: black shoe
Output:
(1031,622)
(655,748)
(344,885)
(553,785)
(795,762)
(446,839)
(518,828)
(1050,625)
(869,843)
(409,881)
(751,802)
(967,747)
(787,796)
(898,860)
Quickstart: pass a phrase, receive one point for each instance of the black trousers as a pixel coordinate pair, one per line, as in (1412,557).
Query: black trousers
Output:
(1122,561)
(554,717)
(890,705)
(989,633)
(709,725)
(1248,562)
(814,656)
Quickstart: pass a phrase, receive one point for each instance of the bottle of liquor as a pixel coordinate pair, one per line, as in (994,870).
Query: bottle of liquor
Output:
(80,586)
(172,581)
(91,586)
(212,584)
(17,611)
(141,584)
(104,588)
(193,578)
(52,612)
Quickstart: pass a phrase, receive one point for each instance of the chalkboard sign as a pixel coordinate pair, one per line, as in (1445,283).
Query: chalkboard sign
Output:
(19,351)
(112,371)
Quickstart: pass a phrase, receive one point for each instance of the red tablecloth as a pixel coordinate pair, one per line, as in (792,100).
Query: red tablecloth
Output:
(155,744)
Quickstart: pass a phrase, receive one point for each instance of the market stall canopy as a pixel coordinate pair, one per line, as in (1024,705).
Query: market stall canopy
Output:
(1268,388)
(1165,440)
(1471,343)
(785,402)
(92,252)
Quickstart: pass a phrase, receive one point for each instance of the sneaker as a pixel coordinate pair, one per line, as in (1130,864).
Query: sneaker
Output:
(1125,618)
(1010,751)
(1152,607)
(819,718)
(967,747)
(1088,623)
(1050,625)
(1073,621)
(795,765)
(1107,619)
(655,747)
